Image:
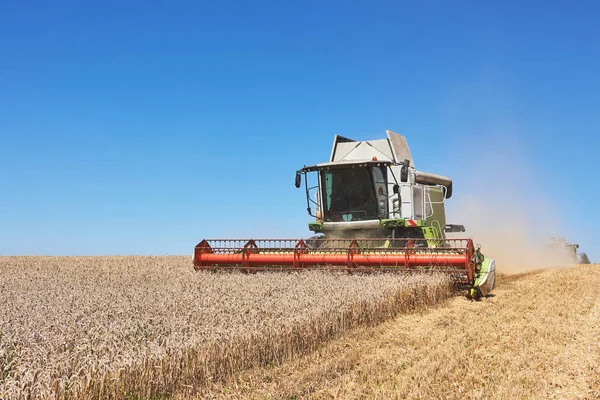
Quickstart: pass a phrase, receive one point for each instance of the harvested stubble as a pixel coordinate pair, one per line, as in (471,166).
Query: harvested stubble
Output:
(114,327)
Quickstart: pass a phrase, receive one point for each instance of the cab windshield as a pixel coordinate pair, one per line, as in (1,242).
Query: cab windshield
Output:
(354,194)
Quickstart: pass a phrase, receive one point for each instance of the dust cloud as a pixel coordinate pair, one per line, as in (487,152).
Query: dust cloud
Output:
(504,208)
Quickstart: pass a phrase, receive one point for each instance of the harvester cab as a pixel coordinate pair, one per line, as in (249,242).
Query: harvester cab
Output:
(373,211)
(373,188)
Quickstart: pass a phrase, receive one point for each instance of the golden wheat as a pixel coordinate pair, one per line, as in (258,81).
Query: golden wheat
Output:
(137,327)
(538,338)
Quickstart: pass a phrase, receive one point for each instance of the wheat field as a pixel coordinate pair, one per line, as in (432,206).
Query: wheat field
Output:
(537,338)
(148,327)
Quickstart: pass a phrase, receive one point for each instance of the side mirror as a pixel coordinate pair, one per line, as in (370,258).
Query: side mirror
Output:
(404,171)
(396,189)
(298,181)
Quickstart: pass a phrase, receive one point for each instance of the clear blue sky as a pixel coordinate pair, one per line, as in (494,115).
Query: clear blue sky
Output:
(143,127)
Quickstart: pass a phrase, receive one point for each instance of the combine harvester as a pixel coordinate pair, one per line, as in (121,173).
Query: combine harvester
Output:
(561,250)
(374,211)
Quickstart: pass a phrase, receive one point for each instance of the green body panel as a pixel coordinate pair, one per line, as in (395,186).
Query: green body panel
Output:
(485,278)
(436,215)
(432,235)
(484,269)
